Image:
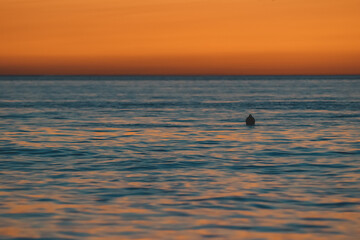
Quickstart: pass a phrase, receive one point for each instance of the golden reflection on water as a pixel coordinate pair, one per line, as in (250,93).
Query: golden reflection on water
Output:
(100,225)
(109,219)
(236,197)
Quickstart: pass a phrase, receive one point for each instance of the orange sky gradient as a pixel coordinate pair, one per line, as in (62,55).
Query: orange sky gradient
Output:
(180,37)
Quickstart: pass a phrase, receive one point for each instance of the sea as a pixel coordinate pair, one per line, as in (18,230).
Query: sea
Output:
(170,157)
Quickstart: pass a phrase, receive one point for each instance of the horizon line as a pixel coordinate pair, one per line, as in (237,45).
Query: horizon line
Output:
(173,75)
(82,77)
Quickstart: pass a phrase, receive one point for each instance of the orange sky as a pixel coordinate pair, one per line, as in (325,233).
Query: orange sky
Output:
(179,37)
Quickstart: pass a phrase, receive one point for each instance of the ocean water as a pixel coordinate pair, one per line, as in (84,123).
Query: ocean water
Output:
(173,159)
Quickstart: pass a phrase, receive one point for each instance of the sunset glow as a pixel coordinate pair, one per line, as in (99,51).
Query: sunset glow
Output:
(180,37)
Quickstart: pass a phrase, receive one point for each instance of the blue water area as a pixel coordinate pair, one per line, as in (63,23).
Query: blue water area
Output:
(172,158)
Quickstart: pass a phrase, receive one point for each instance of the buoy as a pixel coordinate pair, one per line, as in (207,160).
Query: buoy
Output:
(250,120)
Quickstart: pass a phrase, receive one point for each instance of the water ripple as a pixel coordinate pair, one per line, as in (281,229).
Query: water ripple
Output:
(174,159)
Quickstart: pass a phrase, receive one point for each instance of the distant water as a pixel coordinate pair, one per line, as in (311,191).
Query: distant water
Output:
(173,159)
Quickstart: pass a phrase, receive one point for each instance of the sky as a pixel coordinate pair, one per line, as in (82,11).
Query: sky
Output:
(179,37)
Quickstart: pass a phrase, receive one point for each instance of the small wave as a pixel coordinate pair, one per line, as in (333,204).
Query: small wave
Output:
(264,229)
(27,215)
(126,192)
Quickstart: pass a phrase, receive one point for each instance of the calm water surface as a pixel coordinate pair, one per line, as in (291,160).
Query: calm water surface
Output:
(174,159)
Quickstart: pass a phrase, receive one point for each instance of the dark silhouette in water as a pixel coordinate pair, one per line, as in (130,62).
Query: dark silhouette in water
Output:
(250,120)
